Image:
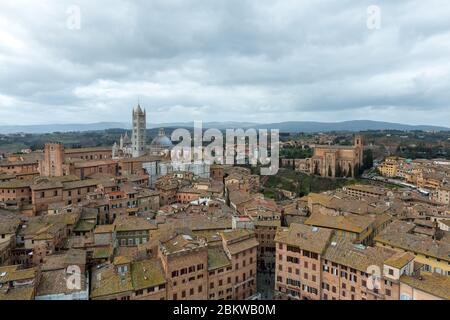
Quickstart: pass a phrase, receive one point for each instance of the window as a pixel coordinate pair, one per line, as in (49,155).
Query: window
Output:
(391,272)
(292,249)
(292,282)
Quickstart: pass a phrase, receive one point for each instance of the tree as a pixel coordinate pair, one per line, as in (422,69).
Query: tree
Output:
(367,159)
(356,173)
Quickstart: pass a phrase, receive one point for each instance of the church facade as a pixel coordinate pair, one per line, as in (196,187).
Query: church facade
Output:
(334,160)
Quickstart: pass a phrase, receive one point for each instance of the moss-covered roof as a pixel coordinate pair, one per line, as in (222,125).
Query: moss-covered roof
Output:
(102,252)
(84,226)
(147,273)
(217,258)
(106,281)
(19,293)
(105,228)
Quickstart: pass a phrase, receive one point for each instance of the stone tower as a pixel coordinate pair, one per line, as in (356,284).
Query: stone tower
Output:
(139,132)
(359,146)
(52,165)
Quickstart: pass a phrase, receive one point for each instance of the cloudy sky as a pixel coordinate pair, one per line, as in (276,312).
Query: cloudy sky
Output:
(261,60)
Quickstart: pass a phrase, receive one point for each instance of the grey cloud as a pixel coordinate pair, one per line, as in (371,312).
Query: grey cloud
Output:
(224,60)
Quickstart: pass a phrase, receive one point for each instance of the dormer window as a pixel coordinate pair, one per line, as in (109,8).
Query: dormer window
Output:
(122,268)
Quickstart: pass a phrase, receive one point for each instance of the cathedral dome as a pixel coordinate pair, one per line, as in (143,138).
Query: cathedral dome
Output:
(161,141)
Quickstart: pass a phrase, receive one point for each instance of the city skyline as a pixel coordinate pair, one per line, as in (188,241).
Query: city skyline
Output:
(288,61)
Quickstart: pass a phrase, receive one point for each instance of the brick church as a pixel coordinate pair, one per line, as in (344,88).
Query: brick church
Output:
(334,160)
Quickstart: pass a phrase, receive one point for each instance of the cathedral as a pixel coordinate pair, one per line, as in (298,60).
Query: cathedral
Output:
(334,161)
(136,145)
(124,149)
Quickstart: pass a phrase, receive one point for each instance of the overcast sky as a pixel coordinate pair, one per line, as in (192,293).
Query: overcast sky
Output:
(264,61)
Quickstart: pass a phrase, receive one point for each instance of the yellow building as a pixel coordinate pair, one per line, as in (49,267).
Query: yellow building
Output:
(389,168)
(433,254)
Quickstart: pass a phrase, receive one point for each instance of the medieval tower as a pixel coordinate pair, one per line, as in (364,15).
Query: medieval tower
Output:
(139,132)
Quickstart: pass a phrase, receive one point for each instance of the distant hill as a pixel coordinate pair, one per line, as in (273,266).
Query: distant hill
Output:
(291,126)
(352,125)
(48,128)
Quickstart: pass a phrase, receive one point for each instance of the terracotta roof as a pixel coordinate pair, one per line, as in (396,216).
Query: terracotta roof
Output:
(399,260)
(434,284)
(305,237)
(347,222)
(240,246)
(132,223)
(15,184)
(93,149)
(359,257)
(55,282)
(399,234)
